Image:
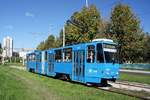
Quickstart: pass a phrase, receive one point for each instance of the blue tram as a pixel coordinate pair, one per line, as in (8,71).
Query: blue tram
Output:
(90,63)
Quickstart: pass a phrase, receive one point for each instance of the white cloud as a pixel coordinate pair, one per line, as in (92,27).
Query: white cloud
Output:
(29,14)
(10,27)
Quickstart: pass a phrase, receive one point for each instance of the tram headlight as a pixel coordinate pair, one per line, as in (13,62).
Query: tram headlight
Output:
(106,72)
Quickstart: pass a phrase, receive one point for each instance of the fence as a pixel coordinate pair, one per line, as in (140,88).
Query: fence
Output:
(136,66)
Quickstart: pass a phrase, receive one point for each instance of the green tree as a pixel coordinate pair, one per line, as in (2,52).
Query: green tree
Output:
(146,50)
(106,31)
(125,26)
(41,46)
(83,25)
(59,39)
(50,42)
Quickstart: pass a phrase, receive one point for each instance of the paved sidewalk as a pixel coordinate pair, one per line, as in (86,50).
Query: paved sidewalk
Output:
(18,67)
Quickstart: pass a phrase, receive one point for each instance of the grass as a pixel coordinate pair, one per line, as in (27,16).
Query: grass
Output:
(135,78)
(21,85)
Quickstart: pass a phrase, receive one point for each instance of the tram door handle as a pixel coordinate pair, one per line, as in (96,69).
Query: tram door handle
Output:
(80,71)
(77,70)
(52,67)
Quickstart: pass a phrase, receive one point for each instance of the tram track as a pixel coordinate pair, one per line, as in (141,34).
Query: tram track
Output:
(132,89)
(141,85)
(133,86)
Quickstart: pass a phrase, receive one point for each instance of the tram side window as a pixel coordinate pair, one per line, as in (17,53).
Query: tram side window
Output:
(100,57)
(39,57)
(33,57)
(30,57)
(46,56)
(90,54)
(68,55)
(58,55)
(27,58)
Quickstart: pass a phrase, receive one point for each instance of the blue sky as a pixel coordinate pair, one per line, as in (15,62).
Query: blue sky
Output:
(29,22)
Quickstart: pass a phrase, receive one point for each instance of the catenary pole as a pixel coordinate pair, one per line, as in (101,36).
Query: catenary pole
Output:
(87,3)
(64,36)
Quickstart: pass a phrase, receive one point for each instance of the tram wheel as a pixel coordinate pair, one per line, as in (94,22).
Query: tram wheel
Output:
(104,82)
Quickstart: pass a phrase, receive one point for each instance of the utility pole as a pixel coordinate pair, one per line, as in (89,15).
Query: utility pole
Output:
(63,54)
(87,3)
(64,36)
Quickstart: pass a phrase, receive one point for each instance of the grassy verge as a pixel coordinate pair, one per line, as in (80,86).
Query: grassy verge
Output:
(21,85)
(135,78)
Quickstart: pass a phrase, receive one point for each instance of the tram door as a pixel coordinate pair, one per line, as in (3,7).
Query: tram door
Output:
(43,62)
(78,66)
(50,63)
(38,62)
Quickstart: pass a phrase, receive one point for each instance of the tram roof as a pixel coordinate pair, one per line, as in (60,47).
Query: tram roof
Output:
(82,45)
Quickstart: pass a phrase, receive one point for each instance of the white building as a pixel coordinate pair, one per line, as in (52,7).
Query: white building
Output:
(7,47)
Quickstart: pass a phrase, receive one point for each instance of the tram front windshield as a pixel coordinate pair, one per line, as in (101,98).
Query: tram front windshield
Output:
(107,53)
(110,53)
